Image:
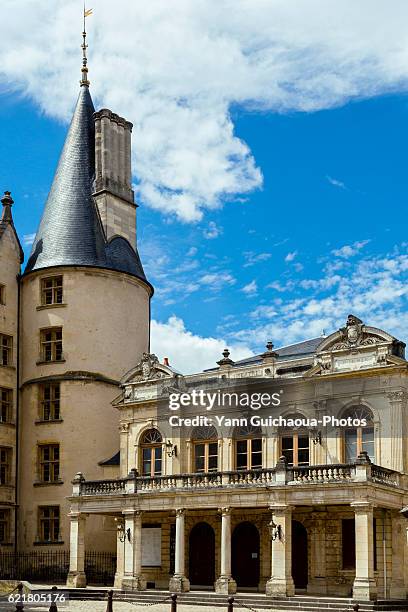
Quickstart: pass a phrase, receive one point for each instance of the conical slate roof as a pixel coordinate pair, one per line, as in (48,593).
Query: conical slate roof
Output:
(70,231)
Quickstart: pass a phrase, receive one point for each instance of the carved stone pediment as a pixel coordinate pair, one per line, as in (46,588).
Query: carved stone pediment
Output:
(148,369)
(353,335)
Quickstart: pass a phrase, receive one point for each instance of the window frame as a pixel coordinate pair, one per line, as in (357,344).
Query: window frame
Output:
(6,348)
(2,294)
(53,523)
(52,464)
(55,345)
(5,465)
(155,455)
(56,290)
(6,405)
(295,447)
(52,404)
(5,525)
(206,443)
(359,431)
(249,452)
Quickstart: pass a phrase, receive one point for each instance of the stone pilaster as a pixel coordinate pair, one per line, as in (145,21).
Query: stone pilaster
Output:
(398,403)
(364,586)
(281,582)
(317,584)
(179,583)
(397,587)
(132,578)
(225,583)
(76,577)
(120,553)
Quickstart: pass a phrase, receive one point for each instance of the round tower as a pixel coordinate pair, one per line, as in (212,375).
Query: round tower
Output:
(85,318)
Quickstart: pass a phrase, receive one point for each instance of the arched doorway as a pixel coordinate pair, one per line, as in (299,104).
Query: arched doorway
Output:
(299,555)
(202,555)
(245,555)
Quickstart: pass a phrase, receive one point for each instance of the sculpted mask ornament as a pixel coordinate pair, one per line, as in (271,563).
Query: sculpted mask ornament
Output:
(148,363)
(352,334)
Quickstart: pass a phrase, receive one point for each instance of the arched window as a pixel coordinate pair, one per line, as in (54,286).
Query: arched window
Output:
(205,449)
(151,453)
(358,438)
(295,443)
(248,447)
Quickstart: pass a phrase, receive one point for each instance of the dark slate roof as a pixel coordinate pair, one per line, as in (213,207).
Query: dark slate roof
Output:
(115,460)
(70,232)
(300,349)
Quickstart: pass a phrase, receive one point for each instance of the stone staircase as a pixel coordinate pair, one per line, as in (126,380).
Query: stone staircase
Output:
(243,601)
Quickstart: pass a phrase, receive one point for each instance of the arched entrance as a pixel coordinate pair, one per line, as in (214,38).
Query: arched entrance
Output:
(299,555)
(202,555)
(245,555)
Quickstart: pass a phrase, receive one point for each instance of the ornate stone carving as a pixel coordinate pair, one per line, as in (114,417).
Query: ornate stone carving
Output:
(353,335)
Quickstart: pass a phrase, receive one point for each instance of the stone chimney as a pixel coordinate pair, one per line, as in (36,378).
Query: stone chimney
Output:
(113,175)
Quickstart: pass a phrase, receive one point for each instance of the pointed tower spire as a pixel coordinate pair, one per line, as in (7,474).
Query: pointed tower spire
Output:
(84,70)
(7,202)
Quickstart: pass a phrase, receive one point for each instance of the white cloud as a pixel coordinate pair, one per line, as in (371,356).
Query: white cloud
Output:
(176,68)
(217,280)
(188,352)
(254,258)
(213,231)
(291,256)
(28,239)
(336,182)
(192,251)
(350,250)
(251,288)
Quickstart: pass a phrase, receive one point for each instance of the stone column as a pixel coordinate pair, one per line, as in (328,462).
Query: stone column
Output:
(120,553)
(179,583)
(281,583)
(76,577)
(364,586)
(317,531)
(397,589)
(132,578)
(225,583)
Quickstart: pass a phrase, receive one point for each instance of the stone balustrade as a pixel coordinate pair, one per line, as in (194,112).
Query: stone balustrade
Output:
(294,476)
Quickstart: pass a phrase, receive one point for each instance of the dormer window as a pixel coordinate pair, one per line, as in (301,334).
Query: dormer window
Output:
(51,290)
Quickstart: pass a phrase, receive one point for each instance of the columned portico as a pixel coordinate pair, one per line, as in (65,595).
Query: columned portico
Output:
(76,577)
(132,578)
(179,583)
(364,586)
(281,581)
(225,583)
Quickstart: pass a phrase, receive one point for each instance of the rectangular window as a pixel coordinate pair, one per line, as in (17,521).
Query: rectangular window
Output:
(51,290)
(2,295)
(249,454)
(5,465)
(6,402)
(49,456)
(4,526)
(296,449)
(51,344)
(348,544)
(6,348)
(50,402)
(49,523)
(206,456)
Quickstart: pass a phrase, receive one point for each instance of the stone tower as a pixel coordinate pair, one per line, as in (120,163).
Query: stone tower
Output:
(85,316)
(11,256)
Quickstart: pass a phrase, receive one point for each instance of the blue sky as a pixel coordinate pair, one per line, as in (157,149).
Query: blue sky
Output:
(307,224)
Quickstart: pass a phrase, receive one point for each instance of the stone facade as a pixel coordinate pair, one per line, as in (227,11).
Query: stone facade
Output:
(315,518)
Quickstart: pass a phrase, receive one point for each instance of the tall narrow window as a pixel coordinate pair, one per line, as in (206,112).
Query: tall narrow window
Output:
(248,448)
(205,445)
(151,453)
(5,465)
(49,458)
(4,526)
(50,402)
(6,402)
(49,523)
(358,439)
(51,290)
(348,544)
(6,349)
(51,344)
(2,295)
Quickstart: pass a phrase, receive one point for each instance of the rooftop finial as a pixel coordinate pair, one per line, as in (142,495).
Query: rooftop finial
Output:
(7,202)
(84,69)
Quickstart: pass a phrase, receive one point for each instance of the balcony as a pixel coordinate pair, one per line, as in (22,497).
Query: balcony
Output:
(362,471)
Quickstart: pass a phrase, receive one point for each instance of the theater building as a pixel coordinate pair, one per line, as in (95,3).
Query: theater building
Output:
(273,509)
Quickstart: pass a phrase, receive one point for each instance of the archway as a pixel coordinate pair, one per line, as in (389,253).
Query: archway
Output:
(202,555)
(245,555)
(299,555)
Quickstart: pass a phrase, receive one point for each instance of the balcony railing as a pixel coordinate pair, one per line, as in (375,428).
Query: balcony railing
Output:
(281,475)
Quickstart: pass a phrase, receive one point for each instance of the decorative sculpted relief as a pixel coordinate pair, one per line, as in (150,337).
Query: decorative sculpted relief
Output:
(353,335)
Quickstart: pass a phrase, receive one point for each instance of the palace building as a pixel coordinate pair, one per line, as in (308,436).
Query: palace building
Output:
(90,460)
